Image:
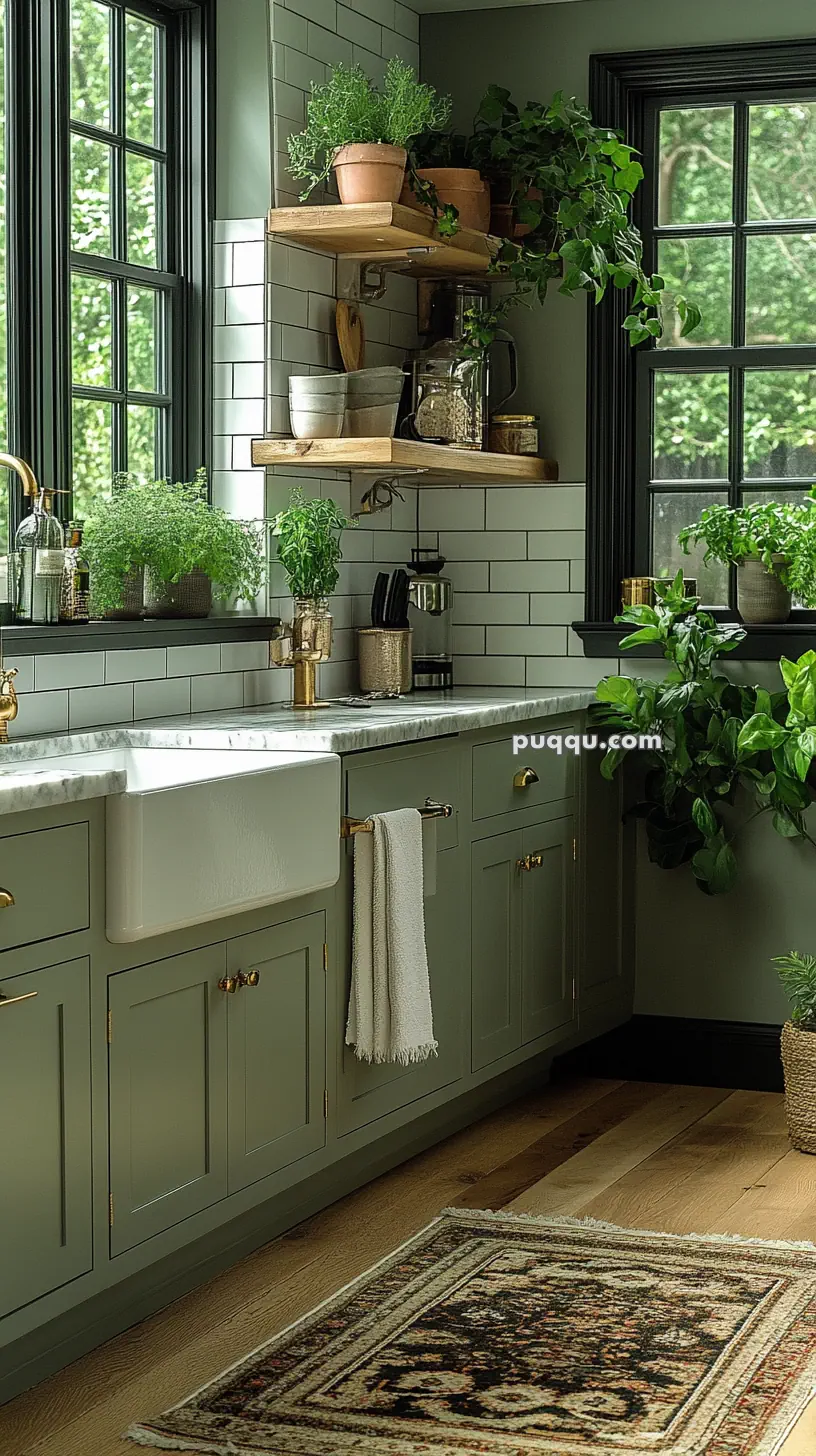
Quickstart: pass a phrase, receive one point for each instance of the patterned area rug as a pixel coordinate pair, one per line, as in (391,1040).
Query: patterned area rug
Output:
(505,1335)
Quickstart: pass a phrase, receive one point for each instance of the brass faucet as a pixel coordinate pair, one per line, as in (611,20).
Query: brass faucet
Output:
(9,706)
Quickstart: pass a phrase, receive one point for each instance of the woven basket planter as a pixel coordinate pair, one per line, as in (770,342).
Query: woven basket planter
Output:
(799,1062)
(190,596)
(761,596)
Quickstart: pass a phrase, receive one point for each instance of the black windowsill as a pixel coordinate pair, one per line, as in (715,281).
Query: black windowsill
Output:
(769,641)
(110,636)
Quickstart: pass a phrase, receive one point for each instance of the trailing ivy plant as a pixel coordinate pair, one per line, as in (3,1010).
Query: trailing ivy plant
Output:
(350,108)
(570,183)
(308,535)
(718,738)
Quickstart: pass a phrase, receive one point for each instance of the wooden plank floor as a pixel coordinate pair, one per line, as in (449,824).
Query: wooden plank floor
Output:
(643,1155)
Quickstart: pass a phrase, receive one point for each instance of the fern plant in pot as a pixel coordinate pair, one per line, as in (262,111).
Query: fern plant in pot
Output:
(798,976)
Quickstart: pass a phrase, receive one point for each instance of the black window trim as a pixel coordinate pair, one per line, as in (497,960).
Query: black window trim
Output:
(39,256)
(623,89)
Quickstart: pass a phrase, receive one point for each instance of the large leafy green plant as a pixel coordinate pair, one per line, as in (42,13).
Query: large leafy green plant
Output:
(718,738)
(171,528)
(308,535)
(762,531)
(349,108)
(570,182)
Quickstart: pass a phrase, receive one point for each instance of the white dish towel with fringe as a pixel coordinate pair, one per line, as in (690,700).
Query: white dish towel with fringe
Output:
(390,1017)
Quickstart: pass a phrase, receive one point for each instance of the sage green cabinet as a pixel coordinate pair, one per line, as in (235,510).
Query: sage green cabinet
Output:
(167,1085)
(522,937)
(45,1132)
(276,1039)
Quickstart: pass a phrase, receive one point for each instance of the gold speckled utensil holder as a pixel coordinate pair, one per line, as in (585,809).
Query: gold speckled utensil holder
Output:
(384,655)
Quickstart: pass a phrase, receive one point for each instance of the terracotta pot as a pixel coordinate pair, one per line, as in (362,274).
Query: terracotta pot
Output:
(464,187)
(369,171)
(501,218)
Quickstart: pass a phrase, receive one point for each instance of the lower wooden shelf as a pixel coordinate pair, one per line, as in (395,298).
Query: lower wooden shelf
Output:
(433,465)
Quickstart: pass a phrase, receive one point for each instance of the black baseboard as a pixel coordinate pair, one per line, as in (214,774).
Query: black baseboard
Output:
(682,1049)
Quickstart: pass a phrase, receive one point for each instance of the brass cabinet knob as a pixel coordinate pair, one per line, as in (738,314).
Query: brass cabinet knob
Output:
(523,864)
(524,778)
(228,984)
(250,979)
(536,861)
(6,899)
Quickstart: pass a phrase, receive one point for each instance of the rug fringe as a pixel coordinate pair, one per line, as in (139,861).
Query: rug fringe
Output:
(145,1436)
(565,1221)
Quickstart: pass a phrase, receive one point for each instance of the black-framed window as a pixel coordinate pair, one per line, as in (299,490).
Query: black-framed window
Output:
(727,415)
(108,158)
(744,335)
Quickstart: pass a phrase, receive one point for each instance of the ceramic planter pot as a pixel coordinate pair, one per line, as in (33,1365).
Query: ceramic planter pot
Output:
(132,608)
(501,218)
(369,171)
(799,1063)
(190,596)
(761,596)
(463,187)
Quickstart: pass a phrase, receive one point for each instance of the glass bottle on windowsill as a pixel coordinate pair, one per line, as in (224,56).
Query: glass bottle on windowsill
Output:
(40,549)
(75,591)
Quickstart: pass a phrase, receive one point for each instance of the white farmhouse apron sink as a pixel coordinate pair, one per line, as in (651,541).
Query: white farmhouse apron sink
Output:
(201,833)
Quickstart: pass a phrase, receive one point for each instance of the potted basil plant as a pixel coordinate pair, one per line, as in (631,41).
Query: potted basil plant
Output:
(308,538)
(761,540)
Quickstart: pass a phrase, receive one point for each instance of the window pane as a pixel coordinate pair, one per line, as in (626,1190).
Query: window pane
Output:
(783,497)
(690,426)
(781,290)
(91,330)
(671,511)
(143,313)
(700,268)
(90,196)
(782,161)
(91,450)
(142,422)
(780,423)
(141,210)
(141,42)
(91,63)
(696,165)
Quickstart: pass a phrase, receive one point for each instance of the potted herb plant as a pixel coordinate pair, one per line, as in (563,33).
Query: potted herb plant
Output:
(362,132)
(763,541)
(188,550)
(442,179)
(308,537)
(798,976)
(565,185)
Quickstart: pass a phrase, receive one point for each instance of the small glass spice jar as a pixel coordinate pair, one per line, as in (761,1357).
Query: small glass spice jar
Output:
(513,434)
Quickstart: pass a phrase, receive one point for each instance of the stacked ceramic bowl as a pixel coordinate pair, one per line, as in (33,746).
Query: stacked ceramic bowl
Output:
(373,401)
(317,405)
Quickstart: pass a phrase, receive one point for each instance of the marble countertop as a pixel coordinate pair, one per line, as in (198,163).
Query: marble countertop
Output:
(336,729)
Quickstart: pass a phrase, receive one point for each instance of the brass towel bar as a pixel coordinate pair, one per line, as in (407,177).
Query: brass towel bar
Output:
(431,810)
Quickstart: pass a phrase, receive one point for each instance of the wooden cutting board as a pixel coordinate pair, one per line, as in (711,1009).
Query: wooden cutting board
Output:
(350,335)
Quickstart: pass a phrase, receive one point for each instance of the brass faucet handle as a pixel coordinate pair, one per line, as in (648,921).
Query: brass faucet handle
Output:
(524,778)
(9,706)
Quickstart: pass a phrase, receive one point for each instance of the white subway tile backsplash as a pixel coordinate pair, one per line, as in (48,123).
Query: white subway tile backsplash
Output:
(40,713)
(329,46)
(219,298)
(577,576)
(217,690)
(529,576)
(553,507)
(241,453)
(483,545)
(321,313)
(469,640)
(324,12)
(289,101)
(359,28)
(556,607)
(238,416)
(489,672)
(555,545)
(289,305)
(24,681)
(310,271)
(239,343)
(93,707)
(239,230)
(479,609)
(379,10)
(394,44)
(161,699)
(241,493)
(69,670)
(222,381)
(531,641)
(190,661)
(406,21)
(241,656)
(269,685)
(452,510)
(245,305)
(222,452)
(288,28)
(372,63)
(135,664)
(304,346)
(222,265)
(248,264)
(247,381)
(303,70)
(467,576)
(569,672)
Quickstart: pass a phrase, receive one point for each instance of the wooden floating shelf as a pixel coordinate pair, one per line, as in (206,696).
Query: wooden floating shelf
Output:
(433,465)
(384,232)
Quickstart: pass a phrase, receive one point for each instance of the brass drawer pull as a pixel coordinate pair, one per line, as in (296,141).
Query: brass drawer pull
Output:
(228,984)
(530,862)
(12,1000)
(251,978)
(6,899)
(524,778)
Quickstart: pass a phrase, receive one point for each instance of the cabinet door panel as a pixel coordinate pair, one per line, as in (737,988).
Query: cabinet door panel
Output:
(496,948)
(167,1093)
(367,1091)
(547,898)
(277,1049)
(45,1132)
